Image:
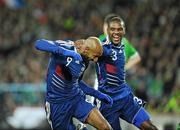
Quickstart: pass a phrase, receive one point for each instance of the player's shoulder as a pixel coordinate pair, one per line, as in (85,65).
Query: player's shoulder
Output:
(68,44)
(106,44)
(107,49)
(65,42)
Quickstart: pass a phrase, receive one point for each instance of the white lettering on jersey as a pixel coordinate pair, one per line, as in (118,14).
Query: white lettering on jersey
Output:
(69,59)
(77,62)
(114,55)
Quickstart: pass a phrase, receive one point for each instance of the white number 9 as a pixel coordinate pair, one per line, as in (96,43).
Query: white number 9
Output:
(69,59)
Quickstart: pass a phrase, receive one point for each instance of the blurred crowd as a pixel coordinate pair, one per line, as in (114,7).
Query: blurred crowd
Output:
(152,26)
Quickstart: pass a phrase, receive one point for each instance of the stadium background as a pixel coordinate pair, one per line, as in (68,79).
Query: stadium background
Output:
(152,26)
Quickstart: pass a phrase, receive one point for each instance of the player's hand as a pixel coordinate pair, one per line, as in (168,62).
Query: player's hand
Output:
(106,99)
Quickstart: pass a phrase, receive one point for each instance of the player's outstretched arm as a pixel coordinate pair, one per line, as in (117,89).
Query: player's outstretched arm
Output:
(95,93)
(50,46)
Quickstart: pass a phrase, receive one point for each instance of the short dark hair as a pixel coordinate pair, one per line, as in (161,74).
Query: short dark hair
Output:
(110,16)
(113,17)
(118,19)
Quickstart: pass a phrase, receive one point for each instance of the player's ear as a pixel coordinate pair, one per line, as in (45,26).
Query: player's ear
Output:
(107,30)
(105,26)
(124,30)
(86,49)
(80,41)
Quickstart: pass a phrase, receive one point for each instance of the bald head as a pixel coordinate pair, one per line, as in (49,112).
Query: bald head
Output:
(94,44)
(91,48)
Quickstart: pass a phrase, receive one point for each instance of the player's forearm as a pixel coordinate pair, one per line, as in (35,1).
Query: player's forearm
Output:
(49,46)
(132,62)
(95,93)
(89,90)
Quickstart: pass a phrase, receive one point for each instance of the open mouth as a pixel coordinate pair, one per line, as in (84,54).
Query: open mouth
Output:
(116,38)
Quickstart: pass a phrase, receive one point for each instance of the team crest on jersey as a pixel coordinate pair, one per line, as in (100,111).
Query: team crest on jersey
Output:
(120,51)
(77,61)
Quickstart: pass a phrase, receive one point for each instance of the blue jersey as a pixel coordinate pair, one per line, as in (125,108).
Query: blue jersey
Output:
(111,73)
(63,74)
(65,90)
(111,78)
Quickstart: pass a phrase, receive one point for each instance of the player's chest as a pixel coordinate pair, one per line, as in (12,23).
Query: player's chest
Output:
(117,56)
(75,67)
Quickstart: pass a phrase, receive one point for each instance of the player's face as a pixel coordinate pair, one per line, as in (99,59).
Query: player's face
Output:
(115,32)
(92,49)
(93,54)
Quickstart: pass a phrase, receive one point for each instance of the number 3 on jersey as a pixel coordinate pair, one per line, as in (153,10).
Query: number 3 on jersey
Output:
(114,55)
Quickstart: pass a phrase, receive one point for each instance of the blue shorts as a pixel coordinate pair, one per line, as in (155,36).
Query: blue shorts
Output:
(60,115)
(126,108)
